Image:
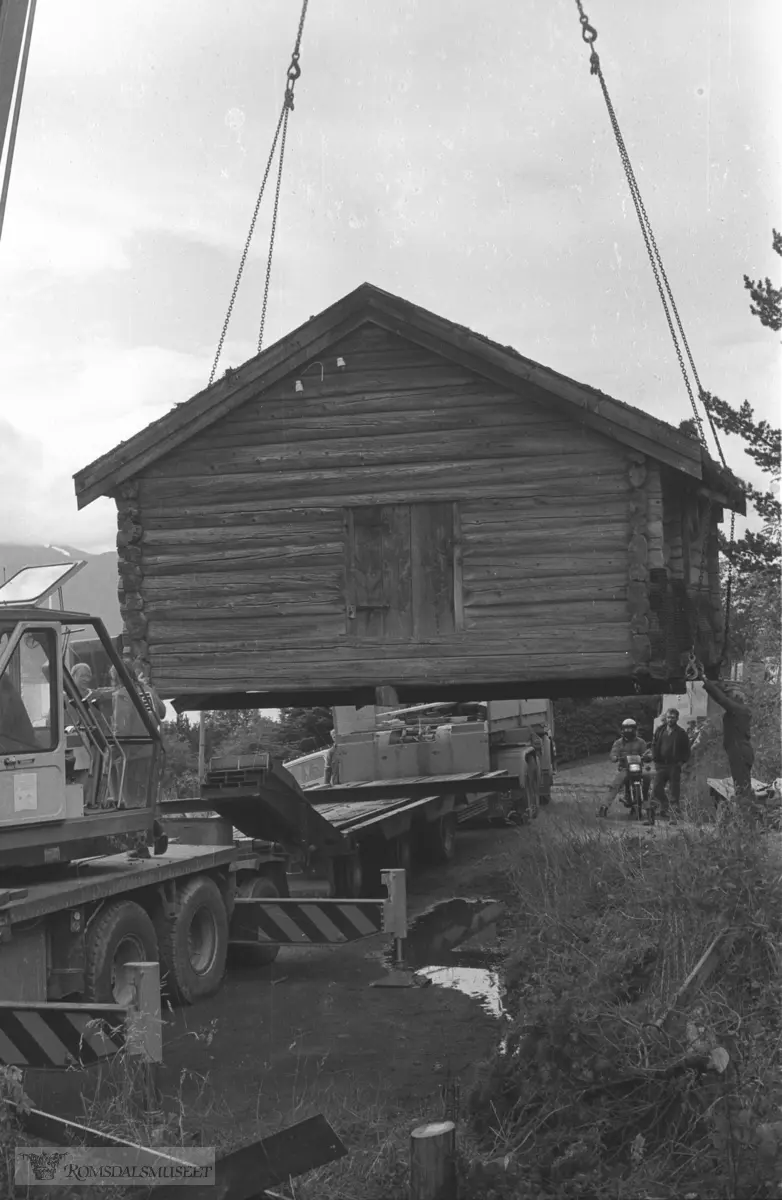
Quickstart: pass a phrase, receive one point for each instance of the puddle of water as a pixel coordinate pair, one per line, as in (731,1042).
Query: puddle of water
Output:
(480,983)
(434,933)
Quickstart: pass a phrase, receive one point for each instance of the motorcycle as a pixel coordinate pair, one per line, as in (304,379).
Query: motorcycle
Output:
(634,792)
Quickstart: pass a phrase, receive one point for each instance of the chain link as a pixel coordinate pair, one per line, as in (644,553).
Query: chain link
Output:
(262,326)
(293,73)
(589,35)
(664,289)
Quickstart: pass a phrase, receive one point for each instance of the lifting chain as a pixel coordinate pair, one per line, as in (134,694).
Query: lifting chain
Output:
(280,136)
(589,35)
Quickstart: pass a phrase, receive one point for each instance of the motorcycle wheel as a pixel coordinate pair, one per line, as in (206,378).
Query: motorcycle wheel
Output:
(637,809)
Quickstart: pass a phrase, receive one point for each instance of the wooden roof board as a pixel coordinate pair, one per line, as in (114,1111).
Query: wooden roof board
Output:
(368,304)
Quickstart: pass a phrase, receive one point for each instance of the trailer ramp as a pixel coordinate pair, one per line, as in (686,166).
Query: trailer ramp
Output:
(264,802)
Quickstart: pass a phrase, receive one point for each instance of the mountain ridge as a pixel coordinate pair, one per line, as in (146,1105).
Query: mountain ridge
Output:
(93,590)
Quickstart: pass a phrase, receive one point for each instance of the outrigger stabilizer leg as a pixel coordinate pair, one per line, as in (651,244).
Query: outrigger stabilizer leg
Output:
(395,922)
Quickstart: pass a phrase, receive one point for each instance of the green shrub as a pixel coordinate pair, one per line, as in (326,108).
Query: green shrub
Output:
(589,1097)
(587,727)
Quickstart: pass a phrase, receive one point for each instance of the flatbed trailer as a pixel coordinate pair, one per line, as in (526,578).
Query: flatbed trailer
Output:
(343,834)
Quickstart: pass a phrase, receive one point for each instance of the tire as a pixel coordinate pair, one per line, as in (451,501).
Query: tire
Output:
(194,942)
(403,853)
(441,839)
(122,932)
(349,877)
(372,856)
(531,790)
(256,887)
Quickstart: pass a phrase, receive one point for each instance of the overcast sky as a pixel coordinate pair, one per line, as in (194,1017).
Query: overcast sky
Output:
(455,152)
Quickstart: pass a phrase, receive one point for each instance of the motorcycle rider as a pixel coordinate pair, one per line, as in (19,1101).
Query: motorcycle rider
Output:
(628,743)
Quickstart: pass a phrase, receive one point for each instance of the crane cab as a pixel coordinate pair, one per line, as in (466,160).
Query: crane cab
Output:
(79,764)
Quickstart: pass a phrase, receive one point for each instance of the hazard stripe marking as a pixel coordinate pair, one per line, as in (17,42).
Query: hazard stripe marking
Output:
(26,1045)
(312,922)
(48,1043)
(9,1053)
(275,922)
(361,919)
(103,1039)
(323,926)
(59,1036)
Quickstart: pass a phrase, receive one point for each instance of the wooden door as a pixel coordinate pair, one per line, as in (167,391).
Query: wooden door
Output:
(402,576)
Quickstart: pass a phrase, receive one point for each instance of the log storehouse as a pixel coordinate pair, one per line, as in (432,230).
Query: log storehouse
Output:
(387,506)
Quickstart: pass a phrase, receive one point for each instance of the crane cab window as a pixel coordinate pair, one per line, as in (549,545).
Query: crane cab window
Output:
(28,709)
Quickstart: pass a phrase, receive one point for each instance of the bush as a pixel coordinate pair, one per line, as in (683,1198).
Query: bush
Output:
(590,1096)
(584,727)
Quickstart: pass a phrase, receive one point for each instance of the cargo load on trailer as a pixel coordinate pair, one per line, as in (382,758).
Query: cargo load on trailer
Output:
(381,747)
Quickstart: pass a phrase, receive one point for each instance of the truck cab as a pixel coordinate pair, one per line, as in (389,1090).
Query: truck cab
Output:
(79,765)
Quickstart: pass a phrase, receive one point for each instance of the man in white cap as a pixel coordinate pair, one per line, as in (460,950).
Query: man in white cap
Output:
(628,743)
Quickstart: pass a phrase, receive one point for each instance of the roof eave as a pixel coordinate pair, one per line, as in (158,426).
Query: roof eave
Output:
(368,303)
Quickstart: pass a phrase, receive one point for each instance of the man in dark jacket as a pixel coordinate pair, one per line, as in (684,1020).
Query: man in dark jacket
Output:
(736,732)
(670,751)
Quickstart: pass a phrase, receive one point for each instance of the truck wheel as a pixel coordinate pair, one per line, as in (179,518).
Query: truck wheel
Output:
(531,791)
(194,941)
(403,853)
(349,877)
(120,934)
(256,887)
(442,839)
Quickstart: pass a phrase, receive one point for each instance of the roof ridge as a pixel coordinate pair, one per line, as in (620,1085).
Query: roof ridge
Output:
(365,304)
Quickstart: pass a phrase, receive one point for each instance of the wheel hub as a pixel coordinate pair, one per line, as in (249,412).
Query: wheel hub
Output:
(202,941)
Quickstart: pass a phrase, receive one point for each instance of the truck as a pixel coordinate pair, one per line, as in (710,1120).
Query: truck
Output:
(89,878)
(391,791)
(456,763)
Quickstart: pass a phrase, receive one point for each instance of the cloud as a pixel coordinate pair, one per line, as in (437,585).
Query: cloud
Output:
(110,393)
(44,241)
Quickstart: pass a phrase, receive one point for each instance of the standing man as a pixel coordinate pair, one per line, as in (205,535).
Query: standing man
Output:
(670,751)
(736,732)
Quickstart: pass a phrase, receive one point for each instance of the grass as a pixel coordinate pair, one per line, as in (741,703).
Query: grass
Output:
(591,1098)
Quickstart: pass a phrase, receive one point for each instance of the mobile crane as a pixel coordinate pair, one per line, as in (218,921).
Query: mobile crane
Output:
(88,878)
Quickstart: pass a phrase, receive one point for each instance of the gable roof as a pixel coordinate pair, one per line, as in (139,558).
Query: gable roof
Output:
(476,353)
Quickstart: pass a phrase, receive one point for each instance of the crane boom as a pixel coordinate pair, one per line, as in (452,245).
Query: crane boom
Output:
(16,31)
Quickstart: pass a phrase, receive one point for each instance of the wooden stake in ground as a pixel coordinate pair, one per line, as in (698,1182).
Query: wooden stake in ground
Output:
(145,1027)
(716,954)
(433,1161)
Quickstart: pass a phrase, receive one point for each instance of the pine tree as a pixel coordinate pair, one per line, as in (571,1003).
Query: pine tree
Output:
(757,552)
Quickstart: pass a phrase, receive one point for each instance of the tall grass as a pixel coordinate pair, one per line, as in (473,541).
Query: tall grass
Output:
(590,1096)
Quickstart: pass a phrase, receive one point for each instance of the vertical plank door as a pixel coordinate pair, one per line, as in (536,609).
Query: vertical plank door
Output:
(402,572)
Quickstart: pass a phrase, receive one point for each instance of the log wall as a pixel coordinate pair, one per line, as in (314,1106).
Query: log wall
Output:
(232,547)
